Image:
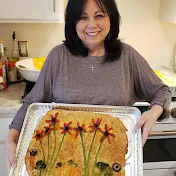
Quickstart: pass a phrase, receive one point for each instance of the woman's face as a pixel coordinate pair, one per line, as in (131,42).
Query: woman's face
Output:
(93,26)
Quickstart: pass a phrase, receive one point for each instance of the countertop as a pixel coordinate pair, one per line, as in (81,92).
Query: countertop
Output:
(11,99)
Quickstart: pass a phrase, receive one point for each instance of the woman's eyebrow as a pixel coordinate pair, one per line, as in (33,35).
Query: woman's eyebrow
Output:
(83,13)
(95,12)
(99,11)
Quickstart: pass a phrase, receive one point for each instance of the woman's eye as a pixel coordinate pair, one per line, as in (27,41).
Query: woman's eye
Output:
(99,16)
(83,18)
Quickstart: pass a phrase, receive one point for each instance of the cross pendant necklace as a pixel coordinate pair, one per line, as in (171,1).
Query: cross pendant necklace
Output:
(92,67)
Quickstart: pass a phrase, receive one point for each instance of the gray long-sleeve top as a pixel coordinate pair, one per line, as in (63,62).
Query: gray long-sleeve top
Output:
(65,78)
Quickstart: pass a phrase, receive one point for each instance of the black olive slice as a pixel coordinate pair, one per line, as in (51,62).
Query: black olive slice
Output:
(116,167)
(33,152)
(70,162)
(59,164)
(102,166)
(40,165)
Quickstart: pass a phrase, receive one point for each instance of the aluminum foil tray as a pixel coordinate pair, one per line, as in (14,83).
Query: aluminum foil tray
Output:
(128,116)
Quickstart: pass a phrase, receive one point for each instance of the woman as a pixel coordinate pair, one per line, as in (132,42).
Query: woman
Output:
(93,67)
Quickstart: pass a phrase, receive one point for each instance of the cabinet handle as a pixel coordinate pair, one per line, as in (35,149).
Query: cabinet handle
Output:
(163,133)
(54,4)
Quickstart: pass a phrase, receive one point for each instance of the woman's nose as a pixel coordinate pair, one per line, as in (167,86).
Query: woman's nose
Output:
(92,23)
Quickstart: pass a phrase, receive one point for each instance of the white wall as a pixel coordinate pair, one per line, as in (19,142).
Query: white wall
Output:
(41,37)
(140,27)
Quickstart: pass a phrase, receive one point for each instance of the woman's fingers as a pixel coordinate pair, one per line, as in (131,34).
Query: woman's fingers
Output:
(8,163)
(141,121)
(145,133)
(11,143)
(145,122)
(142,124)
(11,151)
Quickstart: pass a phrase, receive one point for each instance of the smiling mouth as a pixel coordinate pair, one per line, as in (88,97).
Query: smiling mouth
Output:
(92,33)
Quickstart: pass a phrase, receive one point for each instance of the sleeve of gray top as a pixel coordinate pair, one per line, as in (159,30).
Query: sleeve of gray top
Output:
(41,92)
(149,86)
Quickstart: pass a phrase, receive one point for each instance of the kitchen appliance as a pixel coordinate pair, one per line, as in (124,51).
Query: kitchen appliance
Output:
(159,154)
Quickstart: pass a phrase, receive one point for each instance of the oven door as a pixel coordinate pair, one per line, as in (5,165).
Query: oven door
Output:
(159,154)
(160,172)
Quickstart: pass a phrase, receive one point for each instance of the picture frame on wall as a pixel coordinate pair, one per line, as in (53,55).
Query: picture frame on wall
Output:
(23,48)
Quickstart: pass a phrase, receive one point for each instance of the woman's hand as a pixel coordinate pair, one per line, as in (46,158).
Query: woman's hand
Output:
(147,120)
(11,143)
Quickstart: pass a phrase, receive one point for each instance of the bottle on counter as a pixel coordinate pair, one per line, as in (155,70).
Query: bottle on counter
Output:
(14,57)
(6,53)
(15,51)
(3,68)
(12,70)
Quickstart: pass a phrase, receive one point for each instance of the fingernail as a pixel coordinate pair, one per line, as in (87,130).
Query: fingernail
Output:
(13,166)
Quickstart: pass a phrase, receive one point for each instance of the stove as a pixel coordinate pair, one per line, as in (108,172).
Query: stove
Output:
(159,156)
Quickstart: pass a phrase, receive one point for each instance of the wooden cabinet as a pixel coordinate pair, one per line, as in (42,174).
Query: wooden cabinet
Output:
(32,11)
(4,127)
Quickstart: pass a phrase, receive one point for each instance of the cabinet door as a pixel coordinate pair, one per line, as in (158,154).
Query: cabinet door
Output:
(32,10)
(4,127)
(160,172)
(3,163)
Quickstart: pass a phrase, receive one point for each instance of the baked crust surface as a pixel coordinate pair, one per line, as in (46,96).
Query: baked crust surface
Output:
(77,143)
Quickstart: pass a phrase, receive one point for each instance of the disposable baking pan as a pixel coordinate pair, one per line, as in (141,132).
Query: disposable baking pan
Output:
(128,115)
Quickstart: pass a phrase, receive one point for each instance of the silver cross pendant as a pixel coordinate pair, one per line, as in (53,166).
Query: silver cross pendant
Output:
(92,67)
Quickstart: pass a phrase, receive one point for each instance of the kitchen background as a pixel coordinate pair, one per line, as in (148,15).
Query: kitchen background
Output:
(140,27)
